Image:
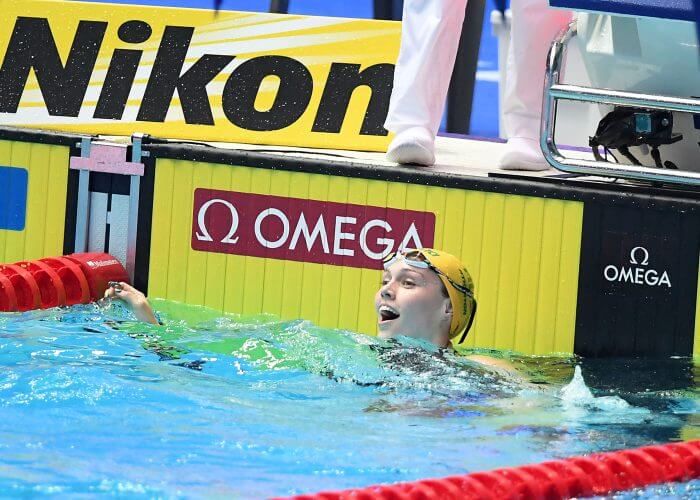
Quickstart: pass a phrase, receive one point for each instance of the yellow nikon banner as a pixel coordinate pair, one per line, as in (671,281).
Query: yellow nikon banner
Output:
(194,74)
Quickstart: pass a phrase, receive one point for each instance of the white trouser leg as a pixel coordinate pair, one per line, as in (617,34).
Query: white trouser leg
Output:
(429,40)
(533,28)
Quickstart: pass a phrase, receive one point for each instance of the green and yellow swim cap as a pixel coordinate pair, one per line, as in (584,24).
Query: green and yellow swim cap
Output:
(454,276)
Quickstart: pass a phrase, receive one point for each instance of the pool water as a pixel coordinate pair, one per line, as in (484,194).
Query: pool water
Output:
(686,491)
(210,405)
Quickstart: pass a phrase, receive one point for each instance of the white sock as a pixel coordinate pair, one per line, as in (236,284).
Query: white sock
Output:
(414,145)
(523,154)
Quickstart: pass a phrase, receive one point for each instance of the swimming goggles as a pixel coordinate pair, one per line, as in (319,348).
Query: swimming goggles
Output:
(418,259)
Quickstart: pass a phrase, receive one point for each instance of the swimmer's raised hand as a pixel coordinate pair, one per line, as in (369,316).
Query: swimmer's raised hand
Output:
(133,298)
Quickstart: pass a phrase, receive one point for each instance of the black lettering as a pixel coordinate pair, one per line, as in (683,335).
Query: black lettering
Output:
(242,87)
(342,82)
(191,86)
(122,71)
(134,32)
(32,46)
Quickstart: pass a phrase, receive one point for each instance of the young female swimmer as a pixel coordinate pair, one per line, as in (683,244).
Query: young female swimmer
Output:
(425,294)
(428,294)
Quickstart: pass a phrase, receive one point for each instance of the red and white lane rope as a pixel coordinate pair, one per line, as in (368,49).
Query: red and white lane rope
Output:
(590,475)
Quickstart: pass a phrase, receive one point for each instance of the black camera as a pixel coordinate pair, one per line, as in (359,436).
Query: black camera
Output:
(626,127)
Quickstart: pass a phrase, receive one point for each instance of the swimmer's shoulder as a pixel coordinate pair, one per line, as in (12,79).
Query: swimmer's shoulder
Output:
(488,361)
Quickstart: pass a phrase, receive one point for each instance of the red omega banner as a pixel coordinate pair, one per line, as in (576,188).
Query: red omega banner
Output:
(277,227)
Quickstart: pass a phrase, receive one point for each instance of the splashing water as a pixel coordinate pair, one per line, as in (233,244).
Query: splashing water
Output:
(224,405)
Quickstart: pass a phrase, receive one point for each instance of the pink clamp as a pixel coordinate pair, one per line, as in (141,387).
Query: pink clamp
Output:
(108,158)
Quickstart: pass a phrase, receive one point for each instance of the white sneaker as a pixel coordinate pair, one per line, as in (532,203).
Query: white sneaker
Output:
(523,154)
(414,145)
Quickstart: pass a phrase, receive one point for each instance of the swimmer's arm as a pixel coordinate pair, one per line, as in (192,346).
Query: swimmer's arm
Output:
(137,301)
(493,362)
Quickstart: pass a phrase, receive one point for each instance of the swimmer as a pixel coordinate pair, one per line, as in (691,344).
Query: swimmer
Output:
(134,299)
(425,294)
(428,294)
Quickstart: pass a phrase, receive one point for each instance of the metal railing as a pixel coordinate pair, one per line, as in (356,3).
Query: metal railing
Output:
(554,91)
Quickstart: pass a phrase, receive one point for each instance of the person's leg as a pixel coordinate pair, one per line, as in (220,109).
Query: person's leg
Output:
(429,40)
(533,28)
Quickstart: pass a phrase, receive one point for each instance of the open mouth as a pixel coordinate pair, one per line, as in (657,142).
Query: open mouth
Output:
(387,313)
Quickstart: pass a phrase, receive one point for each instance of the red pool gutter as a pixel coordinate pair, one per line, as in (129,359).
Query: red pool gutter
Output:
(598,474)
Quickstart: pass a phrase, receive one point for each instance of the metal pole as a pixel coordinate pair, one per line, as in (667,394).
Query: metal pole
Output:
(82,219)
(696,12)
(553,91)
(461,92)
(388,9)
(622,98)
(279,6)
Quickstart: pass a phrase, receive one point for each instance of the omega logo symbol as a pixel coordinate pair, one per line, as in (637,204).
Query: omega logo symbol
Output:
(643,251)
(639,256)
(205,236)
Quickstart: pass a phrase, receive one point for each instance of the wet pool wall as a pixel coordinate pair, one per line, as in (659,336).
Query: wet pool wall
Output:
(638,286)
(33,188)
(523,253)
(600,270)
(696,343)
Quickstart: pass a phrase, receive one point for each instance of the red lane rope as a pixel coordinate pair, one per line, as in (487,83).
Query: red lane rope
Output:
(57,281)
(598,474)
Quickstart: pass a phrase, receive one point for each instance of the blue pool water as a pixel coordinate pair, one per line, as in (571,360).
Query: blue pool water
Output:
(686,491)
(210,405)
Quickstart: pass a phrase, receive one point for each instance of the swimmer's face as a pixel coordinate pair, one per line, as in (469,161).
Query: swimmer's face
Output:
(411,302)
